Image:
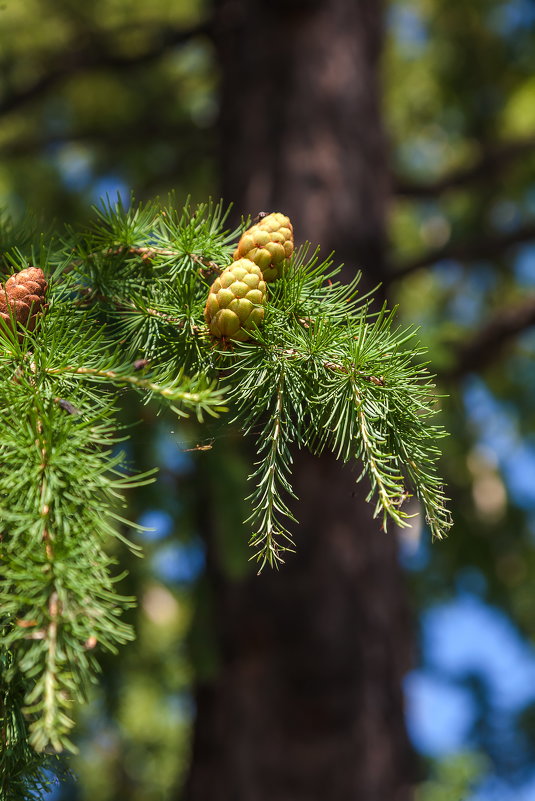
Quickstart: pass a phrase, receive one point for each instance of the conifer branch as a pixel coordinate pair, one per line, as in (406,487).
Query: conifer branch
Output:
(385,479)
(24,773)
(126,310)
(272,538)
(192,393)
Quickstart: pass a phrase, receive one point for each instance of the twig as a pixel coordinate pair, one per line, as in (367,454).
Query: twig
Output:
(50,677)
(150,252)
(124,306)
(291,353)
(51,635)
(135,381)
(147,253)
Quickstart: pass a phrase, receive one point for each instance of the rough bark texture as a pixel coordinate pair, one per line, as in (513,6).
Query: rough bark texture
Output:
(308,703)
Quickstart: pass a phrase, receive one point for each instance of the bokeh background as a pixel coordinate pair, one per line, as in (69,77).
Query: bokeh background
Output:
(103,98)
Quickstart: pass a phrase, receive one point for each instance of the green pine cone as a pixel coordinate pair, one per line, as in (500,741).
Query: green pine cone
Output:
(269,243)
(235,303)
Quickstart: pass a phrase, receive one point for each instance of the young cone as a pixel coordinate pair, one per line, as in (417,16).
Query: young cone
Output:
(235,301)
(22,298)
(269,243)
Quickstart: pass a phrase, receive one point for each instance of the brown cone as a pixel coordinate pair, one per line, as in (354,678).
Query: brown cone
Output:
(22,298)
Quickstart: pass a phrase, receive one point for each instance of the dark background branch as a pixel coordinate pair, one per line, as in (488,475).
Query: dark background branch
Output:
(94,52)
(112,138)
(488,343)
(487,246)
(493,161)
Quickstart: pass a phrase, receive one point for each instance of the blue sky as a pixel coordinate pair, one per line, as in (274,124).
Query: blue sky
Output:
(462,639)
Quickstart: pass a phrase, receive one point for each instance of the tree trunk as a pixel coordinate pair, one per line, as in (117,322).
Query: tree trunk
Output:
(308,704)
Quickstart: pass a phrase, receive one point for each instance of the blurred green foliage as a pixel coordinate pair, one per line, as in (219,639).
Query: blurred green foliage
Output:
(466,99)
(103,95)
(453,779)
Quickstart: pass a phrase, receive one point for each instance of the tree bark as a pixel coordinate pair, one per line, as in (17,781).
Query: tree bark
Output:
(300,119)
(308,703)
